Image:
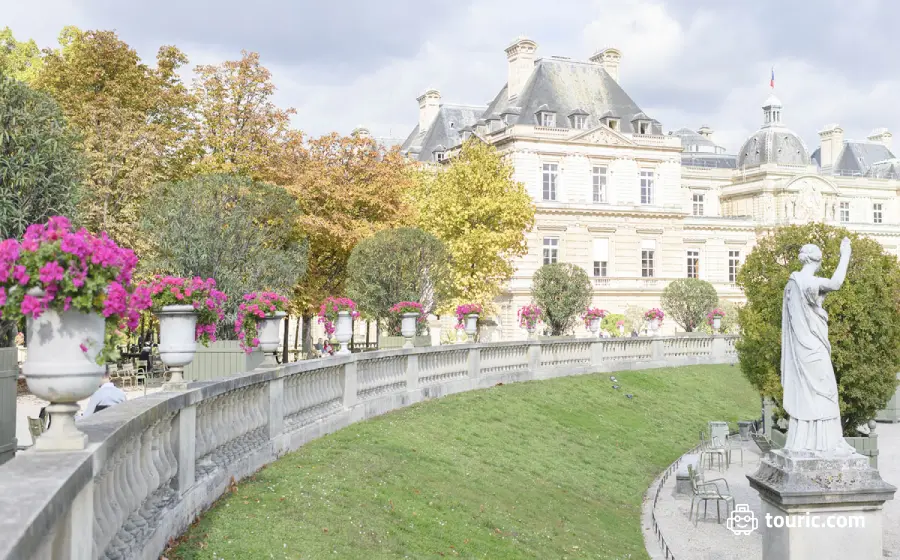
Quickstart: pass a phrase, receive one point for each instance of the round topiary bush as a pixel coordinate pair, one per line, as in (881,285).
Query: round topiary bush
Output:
(563,291)
(863,324)
(688,300)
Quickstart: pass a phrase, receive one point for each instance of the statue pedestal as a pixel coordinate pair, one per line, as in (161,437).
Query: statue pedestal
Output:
(817,506)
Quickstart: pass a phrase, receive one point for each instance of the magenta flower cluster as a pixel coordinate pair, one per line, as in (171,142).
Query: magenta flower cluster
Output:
(710,317)
(328,312)
(654,313)
(530,315)
(256,307)
(55,267)
(466,309)
(592,314)
(407,307)
(201,294)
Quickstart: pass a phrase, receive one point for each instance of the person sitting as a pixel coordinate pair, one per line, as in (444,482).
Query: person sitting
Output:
(104,397)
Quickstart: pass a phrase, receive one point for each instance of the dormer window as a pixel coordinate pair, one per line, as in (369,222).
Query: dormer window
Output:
(578,119)
(641,124)
(610,120)
(548,119)
(613,124)
(495,124)
(439,156)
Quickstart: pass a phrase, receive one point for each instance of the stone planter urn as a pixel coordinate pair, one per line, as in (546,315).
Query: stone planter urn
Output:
(177,342)
(471,326)
(531,331)
(595,326)
(622,330)
(268,332)
(58,370)
(408,328)
(343,332)
(654,326)
(717,324)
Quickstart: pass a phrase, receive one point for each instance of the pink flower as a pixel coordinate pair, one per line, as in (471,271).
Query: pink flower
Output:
(67,303)
(52,272)
(31,306)
(20,275)
(83,347)
(2,298)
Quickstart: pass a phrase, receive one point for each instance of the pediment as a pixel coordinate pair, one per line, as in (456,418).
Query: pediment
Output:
(602,135)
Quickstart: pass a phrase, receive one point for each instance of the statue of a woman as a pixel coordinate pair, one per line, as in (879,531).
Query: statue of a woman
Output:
(810,388)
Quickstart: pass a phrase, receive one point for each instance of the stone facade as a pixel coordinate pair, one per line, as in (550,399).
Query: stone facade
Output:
(637,208)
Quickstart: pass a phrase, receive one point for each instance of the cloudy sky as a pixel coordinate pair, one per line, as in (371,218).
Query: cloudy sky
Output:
(344,63)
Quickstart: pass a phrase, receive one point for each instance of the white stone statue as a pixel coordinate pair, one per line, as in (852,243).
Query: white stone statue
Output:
(810,387)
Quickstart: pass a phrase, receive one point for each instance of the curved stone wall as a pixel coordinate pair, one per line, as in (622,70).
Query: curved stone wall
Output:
(154,463)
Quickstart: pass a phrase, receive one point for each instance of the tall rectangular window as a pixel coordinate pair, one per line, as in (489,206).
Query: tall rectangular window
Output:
(693,263)
(578,121)
(550,176)
(845,212)
(698,204)
(734,264)
(551,250)
(599,182)
(646,186)
(648,251)
(601,257)
(877,212)
(548,119)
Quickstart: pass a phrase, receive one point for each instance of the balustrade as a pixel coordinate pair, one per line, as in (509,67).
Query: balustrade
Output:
(156,462)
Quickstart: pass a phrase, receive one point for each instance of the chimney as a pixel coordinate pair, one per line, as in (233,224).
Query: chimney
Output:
(705,131)
(429,103)
(521,55)
(609,60)
(881,136)
(832,141)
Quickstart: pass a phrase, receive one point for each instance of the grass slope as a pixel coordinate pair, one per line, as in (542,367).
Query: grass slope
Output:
(547,469)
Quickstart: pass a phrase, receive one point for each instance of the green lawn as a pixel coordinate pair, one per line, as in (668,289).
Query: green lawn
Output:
(546,469)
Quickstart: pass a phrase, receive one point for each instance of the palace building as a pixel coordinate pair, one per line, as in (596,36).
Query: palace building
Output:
(637,207)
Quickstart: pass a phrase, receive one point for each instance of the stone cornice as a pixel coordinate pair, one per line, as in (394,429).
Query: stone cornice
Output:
(602,229)
(551,227)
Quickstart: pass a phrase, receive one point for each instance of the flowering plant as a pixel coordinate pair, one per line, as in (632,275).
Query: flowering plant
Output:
(395,321)
(466,309)
(197,292)
(592,314)
(620,323)
(530,316)
(654,313)
(328,312)
(57,268)
(20,339)
(255,307)
(711,316)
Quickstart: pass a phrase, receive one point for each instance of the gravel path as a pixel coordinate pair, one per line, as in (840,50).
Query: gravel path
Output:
(710,540)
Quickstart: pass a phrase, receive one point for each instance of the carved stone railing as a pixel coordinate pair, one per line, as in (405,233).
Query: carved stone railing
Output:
(154,463)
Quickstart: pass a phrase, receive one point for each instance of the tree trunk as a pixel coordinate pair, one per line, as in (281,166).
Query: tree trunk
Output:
(297,333)
(284,351)
(307,334)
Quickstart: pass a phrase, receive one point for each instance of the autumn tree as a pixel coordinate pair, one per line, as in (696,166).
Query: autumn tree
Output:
(239,129)
(348,188)
(132,120)
(482,215)
(18,59)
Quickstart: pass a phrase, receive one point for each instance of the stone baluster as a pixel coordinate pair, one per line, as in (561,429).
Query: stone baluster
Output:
(276,407)
(186,438)
(350,384)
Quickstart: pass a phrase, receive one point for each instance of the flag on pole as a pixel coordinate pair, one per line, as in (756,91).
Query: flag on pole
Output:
(772,79)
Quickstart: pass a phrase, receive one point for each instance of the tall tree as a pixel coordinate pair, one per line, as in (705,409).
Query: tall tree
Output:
(241,232)
(482,214)
(239,128)
(348,188)
(688,300)
(563,291)
(19,59)
(132,121)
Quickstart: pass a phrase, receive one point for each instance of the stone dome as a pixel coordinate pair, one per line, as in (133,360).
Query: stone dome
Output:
(773,142)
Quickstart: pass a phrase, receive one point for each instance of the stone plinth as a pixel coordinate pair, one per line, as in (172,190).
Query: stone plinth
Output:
(829,507)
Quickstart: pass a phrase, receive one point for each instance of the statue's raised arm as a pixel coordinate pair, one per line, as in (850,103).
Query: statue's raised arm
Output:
(840,273)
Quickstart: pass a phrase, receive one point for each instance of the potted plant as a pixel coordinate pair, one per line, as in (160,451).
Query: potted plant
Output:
(529,317)
(75,291)
(592,318)
(188,310)
(655,317)
(410,313)
(467,315)
(258,319)
(714,319)
(336,315)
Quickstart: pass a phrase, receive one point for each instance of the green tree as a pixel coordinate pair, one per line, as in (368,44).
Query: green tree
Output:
(610,324)
(39,163)
(240,232)
(563,291)
(403,264)
(688,300)
(482,215)
(19,59)
(863,324)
